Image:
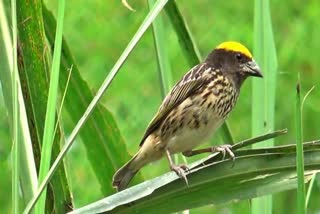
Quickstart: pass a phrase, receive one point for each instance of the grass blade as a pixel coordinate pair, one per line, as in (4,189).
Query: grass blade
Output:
(162,55)
(26,162)
(48,135)
(186,41)
(263,95)
(311,185)
(301,208)
(16,144)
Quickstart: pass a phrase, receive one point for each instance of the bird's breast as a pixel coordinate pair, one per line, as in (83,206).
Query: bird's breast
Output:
(196,118)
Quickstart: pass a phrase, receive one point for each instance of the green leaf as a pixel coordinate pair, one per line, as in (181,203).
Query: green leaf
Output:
(186,41)
(33,72)
(255,173)
(301,207)
(263,92)
(26,167)
(15,142)
(310,188)
(164,67)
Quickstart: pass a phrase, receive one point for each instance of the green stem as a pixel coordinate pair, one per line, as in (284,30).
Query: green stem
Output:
(299,158)
(16,146)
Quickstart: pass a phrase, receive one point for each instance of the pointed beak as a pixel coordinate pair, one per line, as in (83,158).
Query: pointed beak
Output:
(253,69)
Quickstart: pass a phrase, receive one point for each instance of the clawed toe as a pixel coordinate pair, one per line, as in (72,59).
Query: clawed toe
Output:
(184,167)
(180,171)
(224,149)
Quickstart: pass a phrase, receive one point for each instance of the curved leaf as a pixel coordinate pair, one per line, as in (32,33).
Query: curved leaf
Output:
(268,171)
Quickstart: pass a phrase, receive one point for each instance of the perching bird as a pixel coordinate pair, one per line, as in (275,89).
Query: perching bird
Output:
(193,110)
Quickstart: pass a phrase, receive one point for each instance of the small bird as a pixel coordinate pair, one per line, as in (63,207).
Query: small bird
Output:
(193,110)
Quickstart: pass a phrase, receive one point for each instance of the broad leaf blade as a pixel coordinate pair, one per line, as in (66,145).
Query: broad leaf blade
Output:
(268,171)
(34,74)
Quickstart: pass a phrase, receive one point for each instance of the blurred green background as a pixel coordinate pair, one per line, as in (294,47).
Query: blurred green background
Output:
(97,32)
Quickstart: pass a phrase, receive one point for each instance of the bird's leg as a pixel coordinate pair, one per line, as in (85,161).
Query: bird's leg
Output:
(223,149)
(178,169)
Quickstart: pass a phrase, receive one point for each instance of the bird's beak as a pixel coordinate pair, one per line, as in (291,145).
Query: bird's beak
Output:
(253,69)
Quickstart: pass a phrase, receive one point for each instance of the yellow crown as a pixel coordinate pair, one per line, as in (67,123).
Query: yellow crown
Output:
(235,46)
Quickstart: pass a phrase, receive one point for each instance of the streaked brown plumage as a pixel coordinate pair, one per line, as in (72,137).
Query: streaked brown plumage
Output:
(196,106)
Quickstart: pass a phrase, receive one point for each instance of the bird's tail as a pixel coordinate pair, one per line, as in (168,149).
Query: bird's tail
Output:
(125,174)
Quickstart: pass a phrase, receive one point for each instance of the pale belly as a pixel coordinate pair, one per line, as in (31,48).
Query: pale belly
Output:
(187,139)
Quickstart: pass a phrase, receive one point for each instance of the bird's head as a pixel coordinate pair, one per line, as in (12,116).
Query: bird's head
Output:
(235,60)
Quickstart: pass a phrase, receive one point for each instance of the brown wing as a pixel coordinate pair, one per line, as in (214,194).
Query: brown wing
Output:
(190,82)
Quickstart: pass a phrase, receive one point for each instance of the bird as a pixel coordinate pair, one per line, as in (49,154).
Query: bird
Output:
(193,110)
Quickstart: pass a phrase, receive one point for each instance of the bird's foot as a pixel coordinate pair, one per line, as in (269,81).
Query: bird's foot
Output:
(224,149)
(180,171)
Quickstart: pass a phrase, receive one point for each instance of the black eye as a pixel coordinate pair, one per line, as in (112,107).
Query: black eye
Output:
(238,57)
